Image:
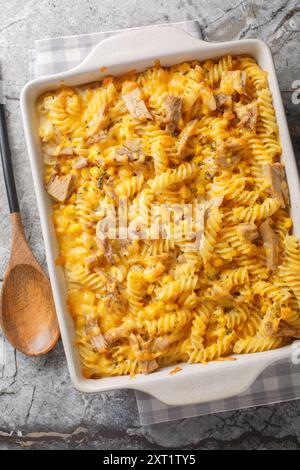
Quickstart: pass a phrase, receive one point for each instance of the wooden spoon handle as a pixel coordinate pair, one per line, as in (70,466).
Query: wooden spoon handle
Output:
(7,164)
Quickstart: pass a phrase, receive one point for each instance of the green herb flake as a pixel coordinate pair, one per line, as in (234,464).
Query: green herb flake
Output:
(100,180)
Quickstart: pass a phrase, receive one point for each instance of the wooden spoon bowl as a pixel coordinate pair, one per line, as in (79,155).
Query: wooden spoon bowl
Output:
(27,312)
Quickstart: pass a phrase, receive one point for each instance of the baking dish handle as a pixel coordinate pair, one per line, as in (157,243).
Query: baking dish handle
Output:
(123,48)
(219,381)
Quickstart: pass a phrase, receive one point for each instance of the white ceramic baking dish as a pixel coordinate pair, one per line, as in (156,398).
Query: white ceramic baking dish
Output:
(138,50)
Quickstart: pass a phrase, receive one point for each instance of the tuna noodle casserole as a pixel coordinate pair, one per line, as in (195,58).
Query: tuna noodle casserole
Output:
(195,145)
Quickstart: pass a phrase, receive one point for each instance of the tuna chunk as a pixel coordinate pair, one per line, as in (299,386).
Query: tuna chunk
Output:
(185,135)
(288,330)
(131,151)
(283,330)
(173,105)
(114,335)
(95,139)
(50,149)
(135,105)
(98,343)
(270,241)
(274,175)
(61,187)
(215,202)
(208,98)
(91,261)
(162,343)
(219,293)
(233,80)
(81,162)
(98,122)
(247,115)
(223,101)
(143,353)
(134,149)
(134,145)
(121,155)
(67,151)
(148,366)
(96,338)
(228,153)
(103,244)
(248,231)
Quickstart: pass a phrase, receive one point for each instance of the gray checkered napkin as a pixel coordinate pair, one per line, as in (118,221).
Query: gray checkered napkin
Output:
(279,382)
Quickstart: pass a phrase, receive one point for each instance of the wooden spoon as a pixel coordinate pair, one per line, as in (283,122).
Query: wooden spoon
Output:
(27,312)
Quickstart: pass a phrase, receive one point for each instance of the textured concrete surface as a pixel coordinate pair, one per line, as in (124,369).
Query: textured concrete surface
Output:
(38,406)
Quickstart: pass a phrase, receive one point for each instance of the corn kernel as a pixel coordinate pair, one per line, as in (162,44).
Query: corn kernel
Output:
(72,199)
(264,308)
(167,279)
(218,262)
(150,289)
(89,297)
(85,173)
(286,313)
(208,64)
(198,159)
(185,192)
(110,171)
(95,172)
(69,210)
(80,321)
(288,223)
(74,228)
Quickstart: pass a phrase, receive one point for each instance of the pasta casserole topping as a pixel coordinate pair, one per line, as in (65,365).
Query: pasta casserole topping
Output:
(171,209)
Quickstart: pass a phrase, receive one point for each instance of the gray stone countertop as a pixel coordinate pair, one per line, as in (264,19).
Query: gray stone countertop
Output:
(39,408)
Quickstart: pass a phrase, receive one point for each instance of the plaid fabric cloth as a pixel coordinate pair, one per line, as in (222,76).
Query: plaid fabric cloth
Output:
(58,54)
(279,382)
